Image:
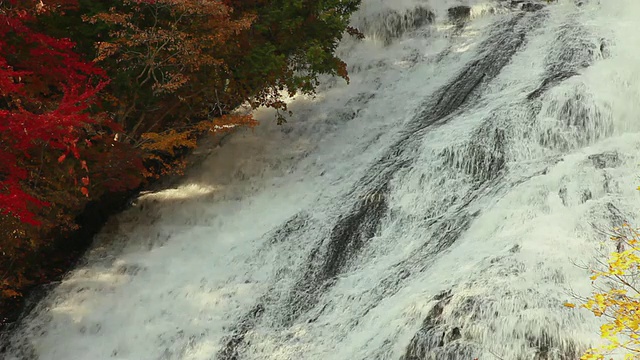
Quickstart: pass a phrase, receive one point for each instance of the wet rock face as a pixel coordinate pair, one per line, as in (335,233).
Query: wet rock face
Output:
(337,250)
(577,124)
(482,158)
(526,5)
(604,160)
(436,340)
(347,237)
(458,13)
(440,338)
(354,229)
(234,342)
(532,6)
(392,24)
(567,57)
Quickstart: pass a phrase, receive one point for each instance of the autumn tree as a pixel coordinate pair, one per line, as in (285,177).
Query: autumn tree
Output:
(56,148)
(617,297)
(157,50)
(177,68)
(45,91)
(178,63)
(289,45)
(97,96)
(194,59)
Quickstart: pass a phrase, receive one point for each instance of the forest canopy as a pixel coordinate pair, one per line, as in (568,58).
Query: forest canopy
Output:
(99,97)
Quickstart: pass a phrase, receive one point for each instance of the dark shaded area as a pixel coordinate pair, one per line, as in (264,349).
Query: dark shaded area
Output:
(445,234)
(438,340)
(502,43)
(526,5)
(392,24)
(351,232)
(459,13)
(549,82)
(484,156)
(435,340)
(546,348)
(348,236)
(233,343)
(580,123)
(562,193)
(530,6)
(293,225)
(608,159)
(448,232)
(567,55)
(616,217)
(459,90)
(52,264)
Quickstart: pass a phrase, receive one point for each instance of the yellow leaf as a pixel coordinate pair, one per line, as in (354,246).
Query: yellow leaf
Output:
(569,305)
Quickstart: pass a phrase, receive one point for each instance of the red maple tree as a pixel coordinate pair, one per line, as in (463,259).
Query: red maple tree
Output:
(45,91)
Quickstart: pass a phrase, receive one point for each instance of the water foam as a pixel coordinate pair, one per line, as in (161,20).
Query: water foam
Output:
(467,249)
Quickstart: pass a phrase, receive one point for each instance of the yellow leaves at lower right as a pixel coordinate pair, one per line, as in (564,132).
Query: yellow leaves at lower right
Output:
(620,303)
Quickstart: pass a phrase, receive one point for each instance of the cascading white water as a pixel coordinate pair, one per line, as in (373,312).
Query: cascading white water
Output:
(435,208)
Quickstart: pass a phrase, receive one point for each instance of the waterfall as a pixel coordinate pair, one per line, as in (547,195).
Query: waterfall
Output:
(443,205)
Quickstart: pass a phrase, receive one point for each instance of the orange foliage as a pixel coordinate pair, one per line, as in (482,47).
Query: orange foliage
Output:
(182,39)
(161,147)
(165,73)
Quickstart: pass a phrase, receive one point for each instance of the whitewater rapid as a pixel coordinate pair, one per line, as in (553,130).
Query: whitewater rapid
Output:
(443,205)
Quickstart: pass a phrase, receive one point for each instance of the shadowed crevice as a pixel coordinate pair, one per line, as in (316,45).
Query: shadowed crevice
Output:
(348,236)
(234,342)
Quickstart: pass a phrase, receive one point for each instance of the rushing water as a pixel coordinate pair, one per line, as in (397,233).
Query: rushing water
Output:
(441,206)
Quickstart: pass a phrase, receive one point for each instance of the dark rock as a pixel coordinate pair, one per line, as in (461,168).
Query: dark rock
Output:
(290,228)
(454,334)
(234,342)
(606,183)
(586,196)
(545,345)
(609,159)
(579,124)
(483,158)
(392,24)
(571,51)
(550,81)
(604,49)
(432,333)
(458,13)
(348,236)
(532,7)
(616,217)
(562,193)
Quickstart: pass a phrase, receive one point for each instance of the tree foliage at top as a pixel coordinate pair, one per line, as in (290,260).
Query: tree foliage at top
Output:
(99,96)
